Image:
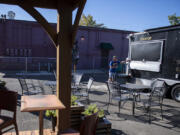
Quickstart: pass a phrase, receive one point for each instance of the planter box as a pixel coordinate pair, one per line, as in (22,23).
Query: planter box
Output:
(76,114)
(103,127)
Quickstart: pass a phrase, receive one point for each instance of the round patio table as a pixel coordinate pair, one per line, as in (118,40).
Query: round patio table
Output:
(134,88)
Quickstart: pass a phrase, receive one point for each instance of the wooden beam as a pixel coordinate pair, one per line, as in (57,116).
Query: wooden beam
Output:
(64,62)
(77,19)
(51,4)
(41,20)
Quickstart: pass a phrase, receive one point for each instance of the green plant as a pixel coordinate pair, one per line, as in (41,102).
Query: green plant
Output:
(50,113)
(73,100)
(91,109)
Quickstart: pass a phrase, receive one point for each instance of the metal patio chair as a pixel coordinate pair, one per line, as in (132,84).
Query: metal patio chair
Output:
(8,101)
(55,75)
(155,97)
(118,94)
(85,92)
(33,90)
(76,79)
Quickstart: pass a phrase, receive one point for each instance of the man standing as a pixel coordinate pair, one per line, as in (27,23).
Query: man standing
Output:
(113,66)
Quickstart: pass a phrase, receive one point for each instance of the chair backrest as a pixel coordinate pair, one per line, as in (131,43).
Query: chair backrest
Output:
(114,88)
(77,78)
(90,82)
(54,71)
(89,124)
(23,84)
(158,87)
(8,100)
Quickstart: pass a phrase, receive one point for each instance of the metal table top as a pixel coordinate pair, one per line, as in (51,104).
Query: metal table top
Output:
(135,86)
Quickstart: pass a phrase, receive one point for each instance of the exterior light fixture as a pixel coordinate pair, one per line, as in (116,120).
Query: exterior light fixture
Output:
(82,38)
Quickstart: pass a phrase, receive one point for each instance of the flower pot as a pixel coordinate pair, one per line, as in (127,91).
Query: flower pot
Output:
(54,122)
(101,119)
(103,127)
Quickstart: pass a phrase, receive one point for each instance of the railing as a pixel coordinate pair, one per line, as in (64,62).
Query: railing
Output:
(27,63)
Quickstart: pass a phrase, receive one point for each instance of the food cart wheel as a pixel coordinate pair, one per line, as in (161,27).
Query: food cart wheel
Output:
(175,92)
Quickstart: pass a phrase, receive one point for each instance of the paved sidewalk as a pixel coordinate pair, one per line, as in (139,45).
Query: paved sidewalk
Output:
(122,124)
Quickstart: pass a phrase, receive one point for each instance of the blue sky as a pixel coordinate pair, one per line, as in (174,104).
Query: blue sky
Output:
(134,15)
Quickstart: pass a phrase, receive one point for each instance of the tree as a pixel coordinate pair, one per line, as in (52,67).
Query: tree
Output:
(89,21)
(173,19)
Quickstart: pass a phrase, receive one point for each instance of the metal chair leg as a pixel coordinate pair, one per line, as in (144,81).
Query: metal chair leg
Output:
(109,101)
(133,105)
(149,109)
(161,112)
(119,106)
(16,128)
(88,102)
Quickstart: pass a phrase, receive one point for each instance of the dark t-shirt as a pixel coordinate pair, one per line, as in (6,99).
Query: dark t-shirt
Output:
(113,66)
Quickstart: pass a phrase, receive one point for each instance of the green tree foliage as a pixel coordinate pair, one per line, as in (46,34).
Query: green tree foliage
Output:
(89,21)
(173,19)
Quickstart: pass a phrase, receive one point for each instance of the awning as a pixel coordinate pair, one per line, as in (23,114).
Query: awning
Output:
(106,46)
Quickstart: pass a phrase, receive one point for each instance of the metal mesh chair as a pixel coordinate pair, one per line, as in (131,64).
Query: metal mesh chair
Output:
(155,97)
(30,90)
(8,101)
(76,79)
(116,93)
(85,92)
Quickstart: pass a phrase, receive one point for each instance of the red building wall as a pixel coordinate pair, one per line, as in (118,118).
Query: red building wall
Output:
(28,39)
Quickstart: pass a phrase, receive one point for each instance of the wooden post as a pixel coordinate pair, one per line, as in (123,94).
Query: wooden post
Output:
(41,123)
(64,61)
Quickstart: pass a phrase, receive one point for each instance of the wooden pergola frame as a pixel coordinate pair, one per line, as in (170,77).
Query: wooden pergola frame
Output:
(63,40)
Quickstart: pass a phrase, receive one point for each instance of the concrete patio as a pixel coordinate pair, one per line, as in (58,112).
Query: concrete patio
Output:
(122,124)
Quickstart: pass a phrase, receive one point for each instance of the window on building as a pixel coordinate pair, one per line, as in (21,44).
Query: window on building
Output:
(25,52)
(7,51)
(11,52)
(21,52)
(29,52)
(16,52)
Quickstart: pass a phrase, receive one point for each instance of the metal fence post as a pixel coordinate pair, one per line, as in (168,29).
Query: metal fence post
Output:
(48,67)
(93,66)
(26,64)
(39,66)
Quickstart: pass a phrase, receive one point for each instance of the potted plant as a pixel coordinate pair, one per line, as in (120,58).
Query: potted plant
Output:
(91,109)
(76,109)
(103,126)
(52,115)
